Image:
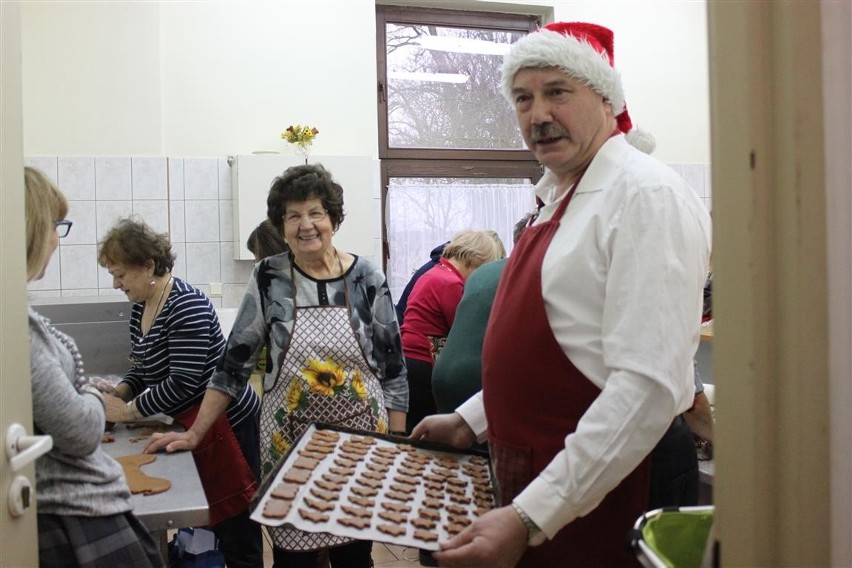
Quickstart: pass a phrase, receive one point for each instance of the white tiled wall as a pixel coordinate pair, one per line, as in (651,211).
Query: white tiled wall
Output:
(190,198)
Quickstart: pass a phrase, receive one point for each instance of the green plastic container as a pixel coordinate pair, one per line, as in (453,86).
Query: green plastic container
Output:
(673,538)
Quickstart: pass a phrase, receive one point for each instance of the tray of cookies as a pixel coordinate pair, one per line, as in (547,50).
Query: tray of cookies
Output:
(370,486)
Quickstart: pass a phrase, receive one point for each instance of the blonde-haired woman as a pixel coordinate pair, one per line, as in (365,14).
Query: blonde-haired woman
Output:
(84,512)
(431,309)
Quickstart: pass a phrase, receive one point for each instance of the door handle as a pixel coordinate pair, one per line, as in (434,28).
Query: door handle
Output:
(22,449)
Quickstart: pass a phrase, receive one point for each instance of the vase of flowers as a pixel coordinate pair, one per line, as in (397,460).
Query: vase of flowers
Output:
(301,137)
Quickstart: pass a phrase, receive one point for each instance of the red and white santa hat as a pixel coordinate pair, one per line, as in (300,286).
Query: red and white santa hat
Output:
(583,51)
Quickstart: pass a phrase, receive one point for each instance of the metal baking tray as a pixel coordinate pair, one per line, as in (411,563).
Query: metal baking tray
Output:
(450,504)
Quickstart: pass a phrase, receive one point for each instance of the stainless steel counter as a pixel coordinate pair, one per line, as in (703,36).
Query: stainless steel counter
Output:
(183,505)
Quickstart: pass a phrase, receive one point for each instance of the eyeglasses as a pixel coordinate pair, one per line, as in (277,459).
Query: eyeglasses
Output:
(294,218)
(62,228)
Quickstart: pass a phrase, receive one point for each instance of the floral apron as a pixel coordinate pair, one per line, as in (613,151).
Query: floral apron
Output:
(534,397)
(324,378)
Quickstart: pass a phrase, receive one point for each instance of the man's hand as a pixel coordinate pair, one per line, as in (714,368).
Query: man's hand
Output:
(171,442)
(445,428)
(498,539)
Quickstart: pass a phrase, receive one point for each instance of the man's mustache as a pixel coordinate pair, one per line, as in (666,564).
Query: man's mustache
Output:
(547,131)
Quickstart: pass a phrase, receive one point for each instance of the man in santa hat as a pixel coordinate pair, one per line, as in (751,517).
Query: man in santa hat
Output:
(589,348)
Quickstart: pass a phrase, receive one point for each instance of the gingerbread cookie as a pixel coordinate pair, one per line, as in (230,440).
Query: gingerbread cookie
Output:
(394,506)
(360,512)
(342,471)
(362,501)
(433,514)
(313,516)
(387,451)
(336,479)
(312,455)
(326,435)
(364,491)
(328,486)
(393,530)
(432,503)
(409,472)
(285,491)
(354,522)
(424,523)
(324,495)
(458,520)
(306,463)
(344,462)
(381,460)
(453,528)
(462,499)
(377,467)
(276,508)
(139,481)
(367,482)
(392,516)
(318,504)
(425,536)
(297,475)
(397,496)
(403,488)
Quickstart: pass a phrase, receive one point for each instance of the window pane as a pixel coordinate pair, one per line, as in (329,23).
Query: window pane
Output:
(443,88)
(423,213)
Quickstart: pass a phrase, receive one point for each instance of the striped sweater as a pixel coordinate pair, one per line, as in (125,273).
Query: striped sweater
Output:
(177,356)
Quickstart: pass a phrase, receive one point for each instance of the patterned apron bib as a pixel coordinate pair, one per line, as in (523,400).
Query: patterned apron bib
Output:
(324,378)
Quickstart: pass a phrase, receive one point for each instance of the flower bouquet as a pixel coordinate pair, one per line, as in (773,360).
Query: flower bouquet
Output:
(301,137)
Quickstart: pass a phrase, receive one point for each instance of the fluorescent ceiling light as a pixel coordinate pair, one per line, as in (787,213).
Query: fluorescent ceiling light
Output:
(424,76)
(462,45)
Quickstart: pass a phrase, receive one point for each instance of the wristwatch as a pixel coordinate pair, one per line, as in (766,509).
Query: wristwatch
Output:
(534,534)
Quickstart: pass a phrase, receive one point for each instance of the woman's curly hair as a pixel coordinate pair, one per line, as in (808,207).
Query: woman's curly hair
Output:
(133,243)
(300,183)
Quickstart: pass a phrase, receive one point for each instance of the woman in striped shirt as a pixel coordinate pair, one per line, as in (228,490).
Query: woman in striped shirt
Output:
(176,342)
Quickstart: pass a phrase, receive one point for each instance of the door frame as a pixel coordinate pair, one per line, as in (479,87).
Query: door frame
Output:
(18,537)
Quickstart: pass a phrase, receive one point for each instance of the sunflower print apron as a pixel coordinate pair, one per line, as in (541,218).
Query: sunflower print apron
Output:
(324,378)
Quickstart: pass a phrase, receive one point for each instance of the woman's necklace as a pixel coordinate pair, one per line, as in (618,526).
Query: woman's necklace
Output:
(79,370)
(157,307)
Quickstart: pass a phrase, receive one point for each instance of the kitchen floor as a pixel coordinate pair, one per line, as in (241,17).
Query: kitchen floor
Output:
(384,555)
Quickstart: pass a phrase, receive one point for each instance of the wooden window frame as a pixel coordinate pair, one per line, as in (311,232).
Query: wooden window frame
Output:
(441,162)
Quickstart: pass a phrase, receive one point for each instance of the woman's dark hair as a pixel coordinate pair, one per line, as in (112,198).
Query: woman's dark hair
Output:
(132,242)
(266,240)
(300,183)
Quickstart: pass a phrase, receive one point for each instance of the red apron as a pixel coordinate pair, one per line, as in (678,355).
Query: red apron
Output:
(226,477)
(534,397)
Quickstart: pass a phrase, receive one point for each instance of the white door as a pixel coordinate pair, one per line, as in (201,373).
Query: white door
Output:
(18,534)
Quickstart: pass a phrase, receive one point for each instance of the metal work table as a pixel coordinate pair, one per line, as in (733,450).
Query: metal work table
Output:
(183,505)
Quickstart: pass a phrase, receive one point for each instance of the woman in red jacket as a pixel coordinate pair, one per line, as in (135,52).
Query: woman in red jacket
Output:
(431,309)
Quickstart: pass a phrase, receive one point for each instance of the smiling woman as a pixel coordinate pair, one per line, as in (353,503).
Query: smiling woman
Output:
(333,347)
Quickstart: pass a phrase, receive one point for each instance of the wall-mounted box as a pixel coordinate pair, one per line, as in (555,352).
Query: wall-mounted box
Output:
(358,175)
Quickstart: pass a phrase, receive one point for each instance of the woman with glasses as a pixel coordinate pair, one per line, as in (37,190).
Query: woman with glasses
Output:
(176,342)
(335,354)
(85,516)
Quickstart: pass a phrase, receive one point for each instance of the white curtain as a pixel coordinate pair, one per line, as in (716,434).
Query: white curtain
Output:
(421,216)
